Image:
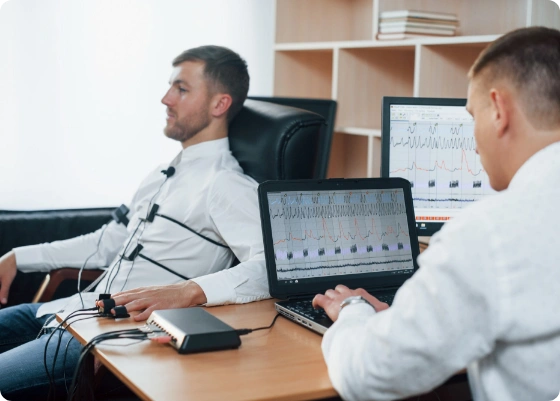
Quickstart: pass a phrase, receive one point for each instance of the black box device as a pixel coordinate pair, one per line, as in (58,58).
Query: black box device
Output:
(194,330)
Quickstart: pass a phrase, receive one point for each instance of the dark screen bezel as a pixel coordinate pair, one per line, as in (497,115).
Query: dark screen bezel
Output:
(283,291)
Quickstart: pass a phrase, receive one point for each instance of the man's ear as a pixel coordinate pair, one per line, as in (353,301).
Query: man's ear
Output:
(500,102)
(221,104)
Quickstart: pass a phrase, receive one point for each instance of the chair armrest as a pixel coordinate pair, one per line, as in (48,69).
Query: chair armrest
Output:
(56,277)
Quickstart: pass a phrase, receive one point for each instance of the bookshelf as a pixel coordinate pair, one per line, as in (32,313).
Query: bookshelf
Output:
(327,49)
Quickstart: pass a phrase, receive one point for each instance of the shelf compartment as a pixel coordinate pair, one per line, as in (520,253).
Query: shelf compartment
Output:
(304,74)
(365,76)
(354,156)
(443,69)
(323,20)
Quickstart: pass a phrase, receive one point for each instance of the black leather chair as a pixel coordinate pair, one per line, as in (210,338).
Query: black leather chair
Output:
(325,108)
(270,141)
(274,142)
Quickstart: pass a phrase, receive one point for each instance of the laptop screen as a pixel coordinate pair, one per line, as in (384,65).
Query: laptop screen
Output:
(321,235)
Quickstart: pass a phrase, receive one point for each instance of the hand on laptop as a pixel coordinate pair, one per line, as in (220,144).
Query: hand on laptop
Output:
(332,299)
(149,299)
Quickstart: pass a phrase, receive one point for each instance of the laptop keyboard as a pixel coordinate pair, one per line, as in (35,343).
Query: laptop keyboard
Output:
(305,308)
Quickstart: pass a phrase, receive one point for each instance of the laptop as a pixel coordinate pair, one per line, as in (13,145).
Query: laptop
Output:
(321,233)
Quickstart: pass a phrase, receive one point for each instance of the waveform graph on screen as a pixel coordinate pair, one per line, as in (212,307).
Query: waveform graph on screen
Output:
(324,234)
(440,161)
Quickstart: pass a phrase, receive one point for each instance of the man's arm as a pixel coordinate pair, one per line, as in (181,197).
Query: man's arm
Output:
(443,318)
(68,253)
(73,252)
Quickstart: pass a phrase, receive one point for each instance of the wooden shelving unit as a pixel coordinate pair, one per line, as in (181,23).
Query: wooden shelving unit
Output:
(327,49)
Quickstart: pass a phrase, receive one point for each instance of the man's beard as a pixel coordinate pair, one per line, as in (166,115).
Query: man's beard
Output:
(182,131)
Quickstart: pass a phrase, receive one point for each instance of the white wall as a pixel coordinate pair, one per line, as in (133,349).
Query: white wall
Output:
(81,121)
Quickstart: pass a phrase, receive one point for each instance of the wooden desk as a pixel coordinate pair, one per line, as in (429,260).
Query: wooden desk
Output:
(283,363)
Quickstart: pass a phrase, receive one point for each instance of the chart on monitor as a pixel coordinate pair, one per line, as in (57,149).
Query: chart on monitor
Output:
(433,147)
(361,232)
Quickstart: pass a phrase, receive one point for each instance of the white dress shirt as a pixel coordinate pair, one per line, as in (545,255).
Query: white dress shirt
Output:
(486,296)
(210,194)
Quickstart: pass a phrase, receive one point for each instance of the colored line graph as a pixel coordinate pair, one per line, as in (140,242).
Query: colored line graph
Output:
(320,234)
(440,161)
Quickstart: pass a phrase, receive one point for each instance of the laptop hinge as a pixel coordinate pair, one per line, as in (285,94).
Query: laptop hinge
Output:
(301,296)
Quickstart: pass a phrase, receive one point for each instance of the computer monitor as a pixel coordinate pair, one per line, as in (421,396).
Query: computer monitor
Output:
(430,142)
(325,108)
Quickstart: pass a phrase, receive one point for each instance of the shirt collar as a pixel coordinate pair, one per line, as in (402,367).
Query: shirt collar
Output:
(203,149)
(538,165)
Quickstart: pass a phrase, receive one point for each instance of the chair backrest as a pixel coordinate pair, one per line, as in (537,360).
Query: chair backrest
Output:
(275,142)
(323,107)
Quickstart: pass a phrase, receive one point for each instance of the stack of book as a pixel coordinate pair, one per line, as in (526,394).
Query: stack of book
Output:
(404,24)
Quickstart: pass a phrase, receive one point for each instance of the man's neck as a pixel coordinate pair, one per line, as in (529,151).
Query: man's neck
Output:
(210,133)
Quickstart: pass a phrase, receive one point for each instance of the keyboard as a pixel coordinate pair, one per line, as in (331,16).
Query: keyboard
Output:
(305,308)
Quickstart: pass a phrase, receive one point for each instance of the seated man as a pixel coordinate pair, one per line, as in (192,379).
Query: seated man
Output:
(184,228)
(486,294)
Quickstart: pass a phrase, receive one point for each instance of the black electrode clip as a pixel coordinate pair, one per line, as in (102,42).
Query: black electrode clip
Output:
(108,305)
(134,253)
(119,215)
(152,214)
(120,312)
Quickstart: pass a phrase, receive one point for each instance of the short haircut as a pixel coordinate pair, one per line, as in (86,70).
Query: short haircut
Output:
(529,59)
(223,68)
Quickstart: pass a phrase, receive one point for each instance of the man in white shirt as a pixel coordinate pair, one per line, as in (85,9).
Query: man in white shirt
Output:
(486,294)
(186,227)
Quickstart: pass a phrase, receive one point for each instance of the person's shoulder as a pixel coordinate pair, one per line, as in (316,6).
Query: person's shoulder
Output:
(478,216)
(230,183)
(233,179)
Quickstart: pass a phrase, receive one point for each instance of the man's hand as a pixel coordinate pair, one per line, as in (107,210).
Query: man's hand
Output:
(8,270)
(149,299)
(332,299)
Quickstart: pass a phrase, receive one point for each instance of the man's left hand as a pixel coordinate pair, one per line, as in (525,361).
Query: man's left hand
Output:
(332,299)
(149,299)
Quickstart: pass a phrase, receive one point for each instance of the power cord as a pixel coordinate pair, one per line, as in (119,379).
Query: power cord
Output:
(243,332)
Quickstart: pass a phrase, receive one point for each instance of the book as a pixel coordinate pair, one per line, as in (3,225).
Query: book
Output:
(405,25)
(418,14)
(403,36)
(430,31)
(420,20)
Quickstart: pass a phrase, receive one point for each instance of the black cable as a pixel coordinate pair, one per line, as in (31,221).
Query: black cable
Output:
(64,363)
(120,334)
(61,332)
(49,377)
(109,280)
(87,260)
(67,344)
(163,267)
(192,231)
(243,332)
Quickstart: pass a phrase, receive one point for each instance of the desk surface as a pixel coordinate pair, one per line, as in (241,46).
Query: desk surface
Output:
(283,363)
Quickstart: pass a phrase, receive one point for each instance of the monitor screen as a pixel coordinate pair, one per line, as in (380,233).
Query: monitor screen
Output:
(358,234)
(430,142)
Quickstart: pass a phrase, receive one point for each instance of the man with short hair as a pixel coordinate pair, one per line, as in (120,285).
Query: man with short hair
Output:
(182,237)
(485,296)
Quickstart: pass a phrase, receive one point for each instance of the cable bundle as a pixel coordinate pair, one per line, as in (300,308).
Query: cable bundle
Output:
(81,388)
